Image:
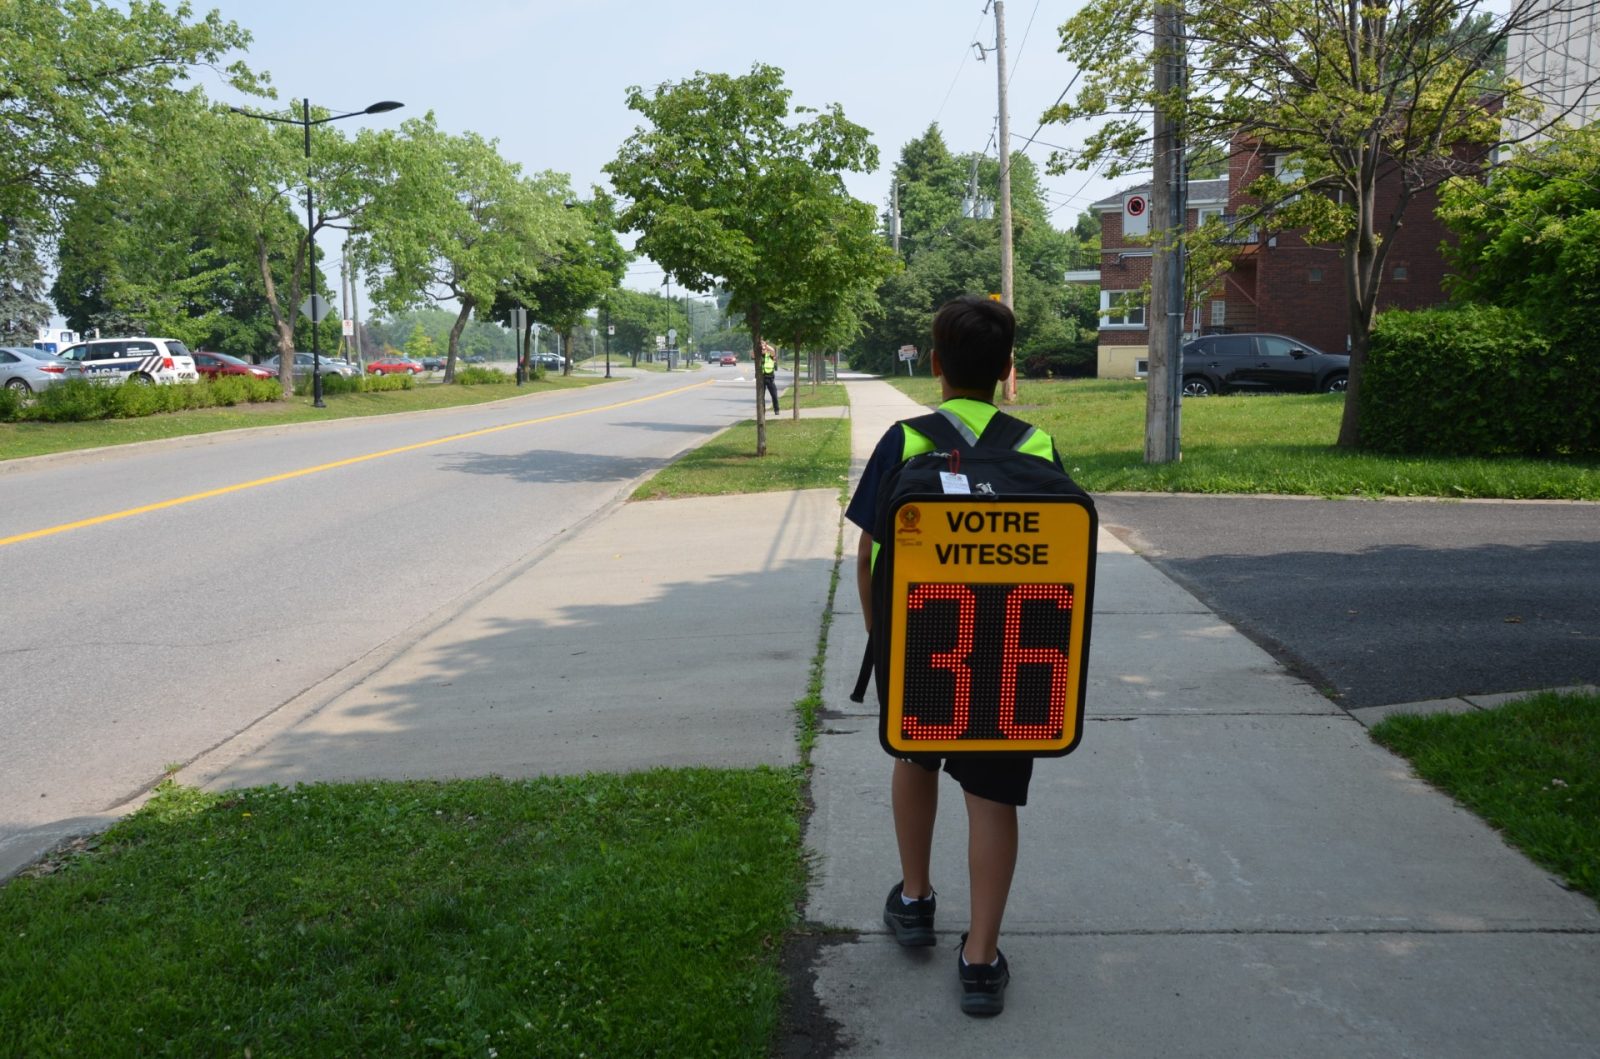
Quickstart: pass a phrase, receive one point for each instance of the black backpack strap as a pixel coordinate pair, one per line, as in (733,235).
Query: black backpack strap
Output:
(1005,432)
(865,676)
(937,428)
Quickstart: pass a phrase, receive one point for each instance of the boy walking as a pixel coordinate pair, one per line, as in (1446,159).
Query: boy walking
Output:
(972,341)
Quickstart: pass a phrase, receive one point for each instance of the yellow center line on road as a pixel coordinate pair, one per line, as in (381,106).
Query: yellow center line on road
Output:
(303,472)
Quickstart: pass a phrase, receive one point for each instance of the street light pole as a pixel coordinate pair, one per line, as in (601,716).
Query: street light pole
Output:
(305,122)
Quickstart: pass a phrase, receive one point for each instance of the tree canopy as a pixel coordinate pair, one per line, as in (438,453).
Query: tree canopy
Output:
(727,188)
(1406,92)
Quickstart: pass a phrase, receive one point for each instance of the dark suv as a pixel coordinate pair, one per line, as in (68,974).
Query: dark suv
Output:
(1246,362)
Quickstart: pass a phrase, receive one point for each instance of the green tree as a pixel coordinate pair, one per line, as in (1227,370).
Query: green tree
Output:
(724,187)
(420,345)
(23,309)
(453,221)
(75,78)
(1530,239)
(1403,92)
(562,286)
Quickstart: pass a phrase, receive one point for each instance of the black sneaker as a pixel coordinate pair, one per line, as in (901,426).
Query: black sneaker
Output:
(983,985)
(911,924)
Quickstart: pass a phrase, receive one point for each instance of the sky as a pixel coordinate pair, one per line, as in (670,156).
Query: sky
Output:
(548,80)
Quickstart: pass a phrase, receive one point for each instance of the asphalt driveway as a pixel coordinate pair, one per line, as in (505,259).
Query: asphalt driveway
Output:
(1380,602)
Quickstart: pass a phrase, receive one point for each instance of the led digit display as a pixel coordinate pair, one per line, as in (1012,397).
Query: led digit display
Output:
(986,661)
(988,624)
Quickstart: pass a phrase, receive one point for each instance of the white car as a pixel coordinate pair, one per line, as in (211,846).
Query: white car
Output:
(143,361)
(302,365)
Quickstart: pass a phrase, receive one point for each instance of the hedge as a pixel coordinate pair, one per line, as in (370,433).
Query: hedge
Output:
(78,400)
(333,382)
(1479,381)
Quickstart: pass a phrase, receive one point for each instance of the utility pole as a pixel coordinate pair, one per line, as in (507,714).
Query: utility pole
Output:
(1007,289)
(894,212)
(1168,209)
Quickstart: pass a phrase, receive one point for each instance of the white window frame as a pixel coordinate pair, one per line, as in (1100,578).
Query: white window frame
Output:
(1132,316)
(1202,214)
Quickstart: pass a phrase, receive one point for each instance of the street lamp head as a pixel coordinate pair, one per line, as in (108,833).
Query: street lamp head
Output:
(383,107)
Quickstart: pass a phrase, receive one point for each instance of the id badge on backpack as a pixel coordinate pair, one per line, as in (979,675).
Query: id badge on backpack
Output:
(987,624)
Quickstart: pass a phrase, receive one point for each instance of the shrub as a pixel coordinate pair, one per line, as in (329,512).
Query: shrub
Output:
(334,383)
(1479,381)
(476,376)
(10,404)
(229,390)
(74,401)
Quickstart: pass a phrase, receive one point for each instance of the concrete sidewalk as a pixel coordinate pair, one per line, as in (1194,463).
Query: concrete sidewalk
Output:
(1227,866)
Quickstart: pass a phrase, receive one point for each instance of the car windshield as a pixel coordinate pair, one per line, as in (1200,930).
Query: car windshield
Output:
(176,348)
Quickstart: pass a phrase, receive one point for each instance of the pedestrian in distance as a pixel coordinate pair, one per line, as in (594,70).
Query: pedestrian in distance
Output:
(769,371)
(972,353)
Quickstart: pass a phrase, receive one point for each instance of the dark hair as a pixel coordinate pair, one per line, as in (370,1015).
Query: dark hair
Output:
(973,337)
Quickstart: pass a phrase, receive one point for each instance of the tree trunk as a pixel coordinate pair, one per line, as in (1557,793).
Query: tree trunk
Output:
(467,302)
(281,329)
(794,389)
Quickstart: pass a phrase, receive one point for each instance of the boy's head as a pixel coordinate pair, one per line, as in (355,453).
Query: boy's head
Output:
(972,337)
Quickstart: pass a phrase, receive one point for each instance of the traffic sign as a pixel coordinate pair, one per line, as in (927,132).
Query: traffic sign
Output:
(908,352)
(317,308)
(988,624)
(611,329)
(349,328)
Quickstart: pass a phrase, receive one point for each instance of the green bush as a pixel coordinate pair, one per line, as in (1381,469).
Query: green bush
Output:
(333,383)
(476,376)
(74,401)
(1479,381)
(10,404)
(230,390)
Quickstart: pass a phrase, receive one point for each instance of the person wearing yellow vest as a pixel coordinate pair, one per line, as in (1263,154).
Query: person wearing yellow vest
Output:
(769,369)
(972,341)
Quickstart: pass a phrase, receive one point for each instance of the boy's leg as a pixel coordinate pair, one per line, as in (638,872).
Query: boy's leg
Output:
(991,861)
(914,793)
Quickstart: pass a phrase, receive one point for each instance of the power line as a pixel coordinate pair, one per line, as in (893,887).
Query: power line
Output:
(1022,44)
(962,65)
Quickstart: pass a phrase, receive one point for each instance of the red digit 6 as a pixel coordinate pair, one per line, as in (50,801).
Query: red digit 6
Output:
(954,660)
(1016,655)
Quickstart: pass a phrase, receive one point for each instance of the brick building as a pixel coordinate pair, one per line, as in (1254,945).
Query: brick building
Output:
(1277,282)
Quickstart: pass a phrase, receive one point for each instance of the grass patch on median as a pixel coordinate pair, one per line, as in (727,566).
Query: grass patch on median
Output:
(608,915)
(1531,768)
(1267,443)
(801,454)
(38,439)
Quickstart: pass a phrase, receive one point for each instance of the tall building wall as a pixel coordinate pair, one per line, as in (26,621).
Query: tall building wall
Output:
(1558,58)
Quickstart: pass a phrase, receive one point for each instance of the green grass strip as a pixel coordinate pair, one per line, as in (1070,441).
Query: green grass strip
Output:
(1265,443)
(38,439)
(801,454)
(599,915)
(1530,768)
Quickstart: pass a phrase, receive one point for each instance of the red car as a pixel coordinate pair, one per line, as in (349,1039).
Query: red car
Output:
(216,365)
(393,366)
(729,359)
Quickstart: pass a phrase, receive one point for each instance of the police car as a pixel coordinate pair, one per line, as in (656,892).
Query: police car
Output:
(138,360)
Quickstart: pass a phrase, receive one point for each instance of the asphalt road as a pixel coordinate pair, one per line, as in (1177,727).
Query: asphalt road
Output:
(183,590)
(1380,602)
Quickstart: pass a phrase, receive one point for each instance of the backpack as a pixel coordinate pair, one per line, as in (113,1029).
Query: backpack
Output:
(996,471)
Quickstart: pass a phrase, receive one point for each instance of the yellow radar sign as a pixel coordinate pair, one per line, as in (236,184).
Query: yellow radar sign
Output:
(989,604)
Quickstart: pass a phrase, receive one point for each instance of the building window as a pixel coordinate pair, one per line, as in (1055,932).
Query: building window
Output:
(1219,313)
(1400,272)
(1207,213)
(1121,308)
(1314,275)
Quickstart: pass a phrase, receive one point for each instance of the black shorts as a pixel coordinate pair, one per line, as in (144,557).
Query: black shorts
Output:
(1004,780)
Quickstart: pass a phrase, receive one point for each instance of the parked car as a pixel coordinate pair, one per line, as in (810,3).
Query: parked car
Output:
(728,358)
(142,361)
(1260,362)
(394,366)
(216,365)
(29,370)
(434,363)
(549,361)
(476,358)
(303,365)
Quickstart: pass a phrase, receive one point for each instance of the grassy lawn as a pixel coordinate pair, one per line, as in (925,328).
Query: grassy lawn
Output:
(801,454)
(1530,768)
(37,439)
(1271,443)
(606,915)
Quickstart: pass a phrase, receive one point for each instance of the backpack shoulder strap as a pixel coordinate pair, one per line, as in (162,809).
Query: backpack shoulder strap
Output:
(937,428)
(1005,431)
